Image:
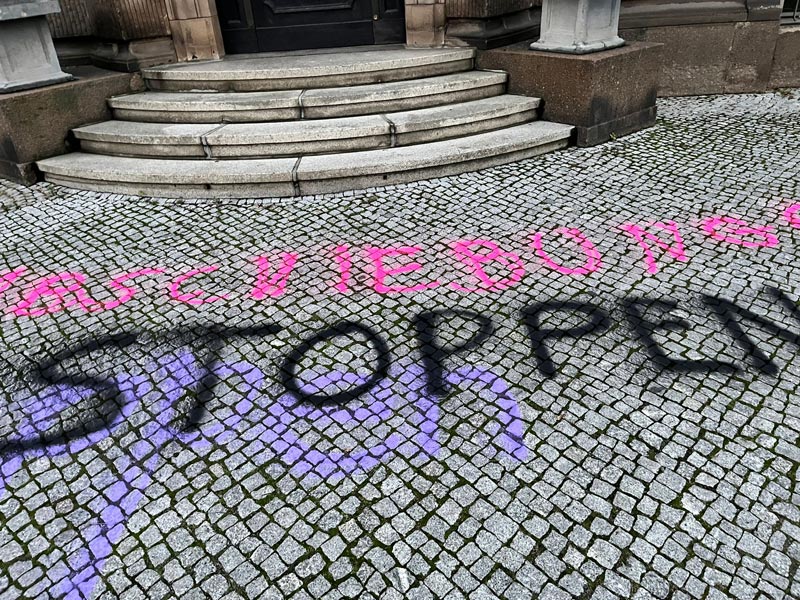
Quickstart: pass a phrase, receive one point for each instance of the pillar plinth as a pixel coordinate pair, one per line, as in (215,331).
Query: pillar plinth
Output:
(579,26)
(27,56)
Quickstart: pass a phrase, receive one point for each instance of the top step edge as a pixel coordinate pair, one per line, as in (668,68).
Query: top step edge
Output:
(251,69)
(373,49)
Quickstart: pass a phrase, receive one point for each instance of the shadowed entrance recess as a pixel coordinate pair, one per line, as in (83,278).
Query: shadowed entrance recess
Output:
(266,25)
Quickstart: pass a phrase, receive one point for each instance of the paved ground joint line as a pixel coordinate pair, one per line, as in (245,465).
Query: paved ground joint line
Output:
(204,139)
(392,131)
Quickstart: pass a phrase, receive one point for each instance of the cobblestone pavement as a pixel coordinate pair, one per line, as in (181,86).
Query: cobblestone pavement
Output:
(571,377)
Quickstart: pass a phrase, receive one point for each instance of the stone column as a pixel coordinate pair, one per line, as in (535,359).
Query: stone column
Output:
(195,28)
(425,21)
(27,56)
(579,26)
(585,73)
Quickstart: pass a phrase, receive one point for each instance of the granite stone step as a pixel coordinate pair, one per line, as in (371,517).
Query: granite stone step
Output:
(288,105)
(281,177)
(310,69)
(297,138)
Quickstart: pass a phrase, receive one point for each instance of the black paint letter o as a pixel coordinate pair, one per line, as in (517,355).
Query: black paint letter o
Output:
(290,364)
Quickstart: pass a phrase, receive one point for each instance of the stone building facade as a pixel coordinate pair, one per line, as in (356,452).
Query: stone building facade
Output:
(706,47)
(712,45)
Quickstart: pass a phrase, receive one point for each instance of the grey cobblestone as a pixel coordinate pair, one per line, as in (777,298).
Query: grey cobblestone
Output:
(655,456)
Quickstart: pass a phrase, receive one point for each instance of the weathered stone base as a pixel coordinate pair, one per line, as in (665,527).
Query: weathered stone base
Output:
(27,57)
(786,64)
(34,124)
(75,51)
(134,55)
(615,128)
(122,56)
(493,32)
(605,95)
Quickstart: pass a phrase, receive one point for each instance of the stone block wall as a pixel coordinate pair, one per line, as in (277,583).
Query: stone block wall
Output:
(711,46)
(110,19)
(131,19)
(76,19)
(460,9)
(25,136)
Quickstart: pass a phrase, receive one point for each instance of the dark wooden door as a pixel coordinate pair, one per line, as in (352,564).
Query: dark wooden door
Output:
(267,25)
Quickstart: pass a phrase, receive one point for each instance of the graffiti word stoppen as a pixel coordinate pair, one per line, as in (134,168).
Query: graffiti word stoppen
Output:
(279,424)
(468,266)
(425,383)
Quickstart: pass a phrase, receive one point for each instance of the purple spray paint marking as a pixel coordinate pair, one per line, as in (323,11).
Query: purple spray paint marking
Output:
(41,412)
(376,406)
(176,374)
(121,499)
(181,372)
(78,579)
(509,422)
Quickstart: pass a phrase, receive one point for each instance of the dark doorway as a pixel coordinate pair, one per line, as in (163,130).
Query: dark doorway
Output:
(267,25)
(791,12)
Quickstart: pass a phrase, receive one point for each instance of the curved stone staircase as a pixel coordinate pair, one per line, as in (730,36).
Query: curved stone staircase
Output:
(275,125)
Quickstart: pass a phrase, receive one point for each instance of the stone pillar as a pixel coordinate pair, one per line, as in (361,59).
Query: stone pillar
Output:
(579,26)
(27,56)
(195,29)
(584,72)
(425,21)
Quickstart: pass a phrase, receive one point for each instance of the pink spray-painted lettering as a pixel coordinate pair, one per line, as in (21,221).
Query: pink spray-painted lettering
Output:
(479,254)
(58,292)
(792,215)
(736,231)
(344,262)
(593,259)
(7,278)
(379,255)
(273,285)
(127,292)
(194,298)
(645,239)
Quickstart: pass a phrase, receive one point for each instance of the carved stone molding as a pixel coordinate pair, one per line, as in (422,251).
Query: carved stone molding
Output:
(663,13)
